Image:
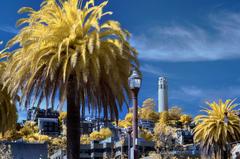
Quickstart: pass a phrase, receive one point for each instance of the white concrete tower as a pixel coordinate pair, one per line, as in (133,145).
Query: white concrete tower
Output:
(162,94)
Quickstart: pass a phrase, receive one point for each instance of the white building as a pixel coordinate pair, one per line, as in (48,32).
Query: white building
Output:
(162,94)
(23,150)
(48,126)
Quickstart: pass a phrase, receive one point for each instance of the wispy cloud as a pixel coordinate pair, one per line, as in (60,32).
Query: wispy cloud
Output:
(8,29)
(193,93)
(152,70)
(191,42)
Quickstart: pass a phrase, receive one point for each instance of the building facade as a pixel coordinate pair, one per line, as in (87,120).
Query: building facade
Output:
(23,150)
(48,126)
(146,124)
(47,120)
(184,137)
(86,126)
(106,149)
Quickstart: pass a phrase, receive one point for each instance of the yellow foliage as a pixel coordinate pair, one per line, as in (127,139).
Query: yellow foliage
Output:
(185,119)
(12,135)
(148,114)
(36,138)
(164,135)
(149,104)
(146,135)
(8,111)
(29,128)
(62,116)
(175,113)
(164,118)
(162,127)
(129,117)
(85,139)
(124,124)
(95,135)
(58,142)
(100,135)
(106,132)
(26,131)
(218,127)
(159,128)
(62,39)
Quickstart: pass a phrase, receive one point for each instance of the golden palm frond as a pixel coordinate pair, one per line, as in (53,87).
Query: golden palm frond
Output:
(61,41)
(8,115)
(213,131)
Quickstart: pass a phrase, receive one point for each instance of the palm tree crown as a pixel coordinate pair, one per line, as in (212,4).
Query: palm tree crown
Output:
(8,115)
(219,127)
(63,42)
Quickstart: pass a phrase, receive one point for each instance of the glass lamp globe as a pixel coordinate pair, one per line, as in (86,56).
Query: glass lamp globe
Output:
(135,80)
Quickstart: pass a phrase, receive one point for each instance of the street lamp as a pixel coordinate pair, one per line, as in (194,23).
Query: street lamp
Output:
(135,84)
(129,132)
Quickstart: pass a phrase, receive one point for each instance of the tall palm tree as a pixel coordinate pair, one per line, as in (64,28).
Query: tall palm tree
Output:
(219,127)
(8,113)
(69,51)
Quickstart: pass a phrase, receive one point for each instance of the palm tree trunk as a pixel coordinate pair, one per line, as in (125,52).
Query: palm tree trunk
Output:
(224,154)
(73,122)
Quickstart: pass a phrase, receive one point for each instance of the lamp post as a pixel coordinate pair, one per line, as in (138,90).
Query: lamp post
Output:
(129,132)
(135,84)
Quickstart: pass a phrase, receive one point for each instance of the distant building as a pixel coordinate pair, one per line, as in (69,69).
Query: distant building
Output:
(146,124)
(59,154)
(107,149)
(47,120)
(95,150)
(184,137)
(22,150)
(99,123)
(144,147)
(48,126)
(86,126)
(35,113)
(162,94)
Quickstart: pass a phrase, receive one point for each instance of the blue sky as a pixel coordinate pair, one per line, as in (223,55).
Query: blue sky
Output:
(195,44)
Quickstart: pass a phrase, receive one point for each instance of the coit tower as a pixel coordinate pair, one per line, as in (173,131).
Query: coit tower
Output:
(162,94)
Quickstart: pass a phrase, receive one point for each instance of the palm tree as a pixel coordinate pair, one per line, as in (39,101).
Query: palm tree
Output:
(8,113)
(68,51)
(219,127)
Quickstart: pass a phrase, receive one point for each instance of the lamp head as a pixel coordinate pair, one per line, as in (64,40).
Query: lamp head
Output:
(135,80)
